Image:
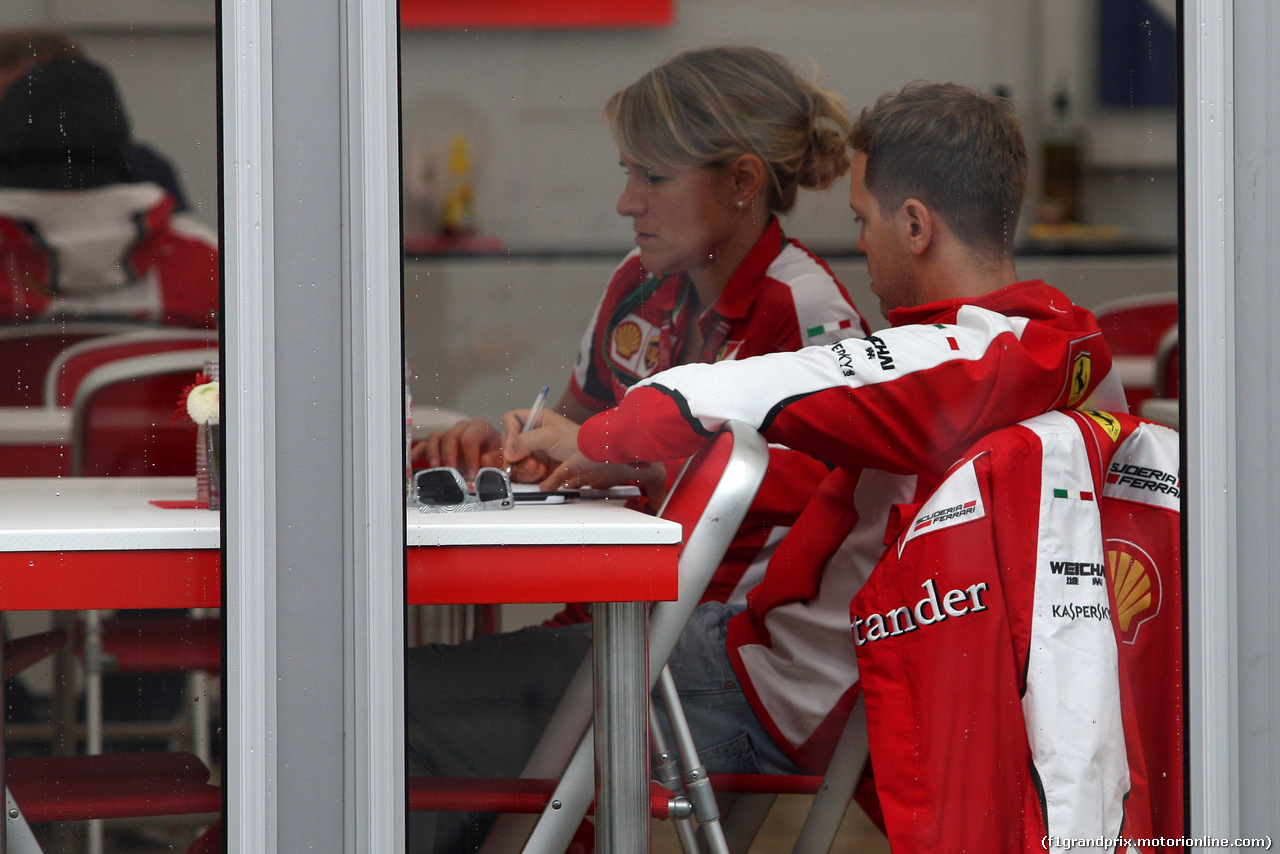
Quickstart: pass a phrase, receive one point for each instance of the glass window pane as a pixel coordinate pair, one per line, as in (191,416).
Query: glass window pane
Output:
(109,269)
(518,223)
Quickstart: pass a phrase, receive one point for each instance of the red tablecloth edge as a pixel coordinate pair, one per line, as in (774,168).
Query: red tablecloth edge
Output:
(172,504)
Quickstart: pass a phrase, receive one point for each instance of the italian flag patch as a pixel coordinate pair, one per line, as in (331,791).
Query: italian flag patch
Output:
(834,326)
(951,342)
(1074,494)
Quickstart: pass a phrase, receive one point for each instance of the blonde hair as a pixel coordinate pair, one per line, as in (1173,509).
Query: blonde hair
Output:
(708,107)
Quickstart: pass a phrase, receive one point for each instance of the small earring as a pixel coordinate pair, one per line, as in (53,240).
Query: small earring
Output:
(741,204)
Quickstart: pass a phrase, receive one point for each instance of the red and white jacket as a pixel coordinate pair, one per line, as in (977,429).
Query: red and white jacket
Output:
(115,252)
(1019,644)
(781,297)
(885,411)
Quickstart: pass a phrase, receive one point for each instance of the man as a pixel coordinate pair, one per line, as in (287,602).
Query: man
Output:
(938,176)
(79,237)
(23,49)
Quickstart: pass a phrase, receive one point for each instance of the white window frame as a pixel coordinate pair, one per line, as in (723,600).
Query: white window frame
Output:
(1209,420)
(267,811)
(372,750)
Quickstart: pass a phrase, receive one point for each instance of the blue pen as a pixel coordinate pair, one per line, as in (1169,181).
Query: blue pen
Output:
(534,411)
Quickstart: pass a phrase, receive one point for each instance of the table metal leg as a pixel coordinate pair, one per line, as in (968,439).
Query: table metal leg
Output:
(4,780)
(621,660)
(18,838)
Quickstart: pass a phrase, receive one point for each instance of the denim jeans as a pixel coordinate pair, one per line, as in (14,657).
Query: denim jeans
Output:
(477,709)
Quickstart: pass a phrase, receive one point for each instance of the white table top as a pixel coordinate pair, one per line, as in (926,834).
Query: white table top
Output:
(49,425)
(34,425)
(1163,410)
(1135,371)
(80,514)
(73,514)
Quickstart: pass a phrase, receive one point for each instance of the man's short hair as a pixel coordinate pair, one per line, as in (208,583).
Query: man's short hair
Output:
(955,149)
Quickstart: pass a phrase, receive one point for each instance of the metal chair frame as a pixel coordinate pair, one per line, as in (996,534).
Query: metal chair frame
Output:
(111,373)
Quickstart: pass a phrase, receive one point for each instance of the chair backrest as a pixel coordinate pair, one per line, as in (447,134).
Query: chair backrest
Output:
(123,420)
(1168,365)
(69,368)
(1133,328)
(709,499)
(27,349)
(1134,325)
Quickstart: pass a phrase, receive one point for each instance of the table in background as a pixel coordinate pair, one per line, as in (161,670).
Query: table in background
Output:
(1161,409)
(35,441)
(75,543)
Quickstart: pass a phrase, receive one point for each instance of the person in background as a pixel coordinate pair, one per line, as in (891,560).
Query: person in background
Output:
(78,236)
(714,145)
(937,182)
(23,49)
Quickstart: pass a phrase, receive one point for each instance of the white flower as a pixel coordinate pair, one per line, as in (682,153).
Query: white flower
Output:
(202,403)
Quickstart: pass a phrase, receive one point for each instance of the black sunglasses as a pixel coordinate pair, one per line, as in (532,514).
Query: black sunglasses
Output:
(443,490)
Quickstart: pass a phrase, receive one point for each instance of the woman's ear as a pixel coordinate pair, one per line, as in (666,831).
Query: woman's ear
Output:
(747,176)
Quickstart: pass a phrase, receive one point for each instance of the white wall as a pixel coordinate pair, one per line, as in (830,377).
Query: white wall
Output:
(552,172)
(482,335)
(533,100)
(549,177)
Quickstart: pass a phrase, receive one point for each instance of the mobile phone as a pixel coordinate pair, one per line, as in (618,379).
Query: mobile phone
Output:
(539,497)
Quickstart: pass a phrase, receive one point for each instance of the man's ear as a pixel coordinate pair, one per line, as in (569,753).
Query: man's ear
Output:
(918,225)
(747,174)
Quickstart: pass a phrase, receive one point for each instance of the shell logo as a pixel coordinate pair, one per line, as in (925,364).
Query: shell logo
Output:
(1136,583)
(626,339)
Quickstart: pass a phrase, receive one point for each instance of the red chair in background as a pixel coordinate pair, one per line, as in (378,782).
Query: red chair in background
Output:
(1163,405)
(1168,365)
(70,367)
(32,445)
(123,424)
(122,417)
(1133,327)
(82,788)
(26,351)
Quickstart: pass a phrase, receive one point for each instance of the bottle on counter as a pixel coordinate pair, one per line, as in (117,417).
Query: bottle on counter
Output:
(408,432)
(1063,156)
(458,216)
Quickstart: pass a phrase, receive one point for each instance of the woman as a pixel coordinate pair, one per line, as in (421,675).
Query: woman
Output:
(714,144)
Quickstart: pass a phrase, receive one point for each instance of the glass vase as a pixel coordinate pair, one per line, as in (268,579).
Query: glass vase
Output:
(208,468)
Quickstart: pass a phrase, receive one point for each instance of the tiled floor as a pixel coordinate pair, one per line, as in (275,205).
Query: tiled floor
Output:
(857,834)
(132,836)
